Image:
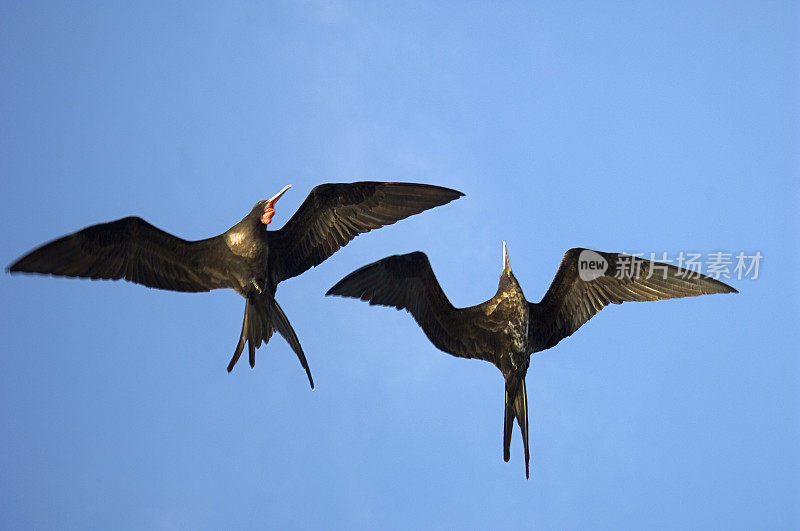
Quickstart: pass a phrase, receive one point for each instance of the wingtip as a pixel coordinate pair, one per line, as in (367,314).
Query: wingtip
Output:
(724,288)
(451,194)
(14,268)
(456,195)
(336,289)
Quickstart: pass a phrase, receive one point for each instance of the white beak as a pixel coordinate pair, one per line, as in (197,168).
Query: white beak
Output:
(277,196)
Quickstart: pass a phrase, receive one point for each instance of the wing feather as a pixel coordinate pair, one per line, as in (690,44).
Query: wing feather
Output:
(335,213)
(571,300)
(134,250)
(407,282)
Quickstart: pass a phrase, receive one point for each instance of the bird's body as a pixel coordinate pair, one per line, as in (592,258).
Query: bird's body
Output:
(510,310)
(246,258)
(506,329)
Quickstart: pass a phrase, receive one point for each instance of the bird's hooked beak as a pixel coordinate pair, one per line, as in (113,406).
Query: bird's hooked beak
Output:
(506,262)
(269,209)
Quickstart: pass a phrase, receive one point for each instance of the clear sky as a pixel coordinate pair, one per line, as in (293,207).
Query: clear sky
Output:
(643,127)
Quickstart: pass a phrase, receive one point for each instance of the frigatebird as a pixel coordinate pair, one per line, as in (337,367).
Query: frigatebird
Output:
(507,329)
(246,258)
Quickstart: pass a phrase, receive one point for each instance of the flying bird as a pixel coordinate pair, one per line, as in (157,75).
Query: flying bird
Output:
(246,258)
(507,329)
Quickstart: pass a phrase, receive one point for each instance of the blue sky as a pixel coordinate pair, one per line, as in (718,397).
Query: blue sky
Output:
(622,126)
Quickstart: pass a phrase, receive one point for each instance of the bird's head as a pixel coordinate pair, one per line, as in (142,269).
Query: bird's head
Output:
(269,206)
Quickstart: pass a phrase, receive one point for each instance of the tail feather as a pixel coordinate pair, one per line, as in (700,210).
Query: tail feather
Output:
(516,407)
(251,353)
(256,328)
(255,331)
(242,338)
(262,317)
(284,328)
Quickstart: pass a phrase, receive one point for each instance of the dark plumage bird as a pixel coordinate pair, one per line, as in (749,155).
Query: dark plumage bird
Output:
(246,258)
(507,329)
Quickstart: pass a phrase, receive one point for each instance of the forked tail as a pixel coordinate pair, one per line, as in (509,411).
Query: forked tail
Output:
(261,318)
(516,407)
(256,328)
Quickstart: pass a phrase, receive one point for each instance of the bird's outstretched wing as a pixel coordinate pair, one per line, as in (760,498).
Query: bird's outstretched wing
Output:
(130,249)
(581,289)
(335,213)
(407,282)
